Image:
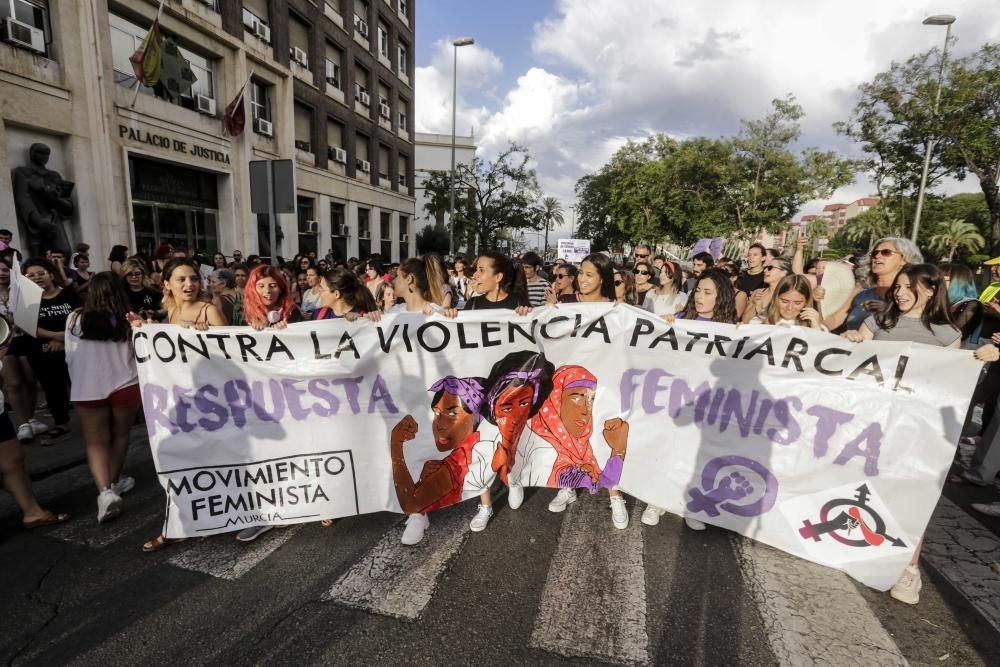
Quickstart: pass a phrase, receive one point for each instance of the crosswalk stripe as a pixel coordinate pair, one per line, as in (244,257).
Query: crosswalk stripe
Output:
(221,556)
(85,531)
(397,580)
(963,551)
(812,613)
(594,601)
(53,487)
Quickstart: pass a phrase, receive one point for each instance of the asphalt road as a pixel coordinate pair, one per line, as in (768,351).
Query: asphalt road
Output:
(534,588)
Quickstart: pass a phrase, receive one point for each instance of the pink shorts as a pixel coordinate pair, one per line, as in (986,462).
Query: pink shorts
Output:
(125,397)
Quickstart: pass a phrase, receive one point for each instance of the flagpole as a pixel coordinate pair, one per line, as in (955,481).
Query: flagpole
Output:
(138,79)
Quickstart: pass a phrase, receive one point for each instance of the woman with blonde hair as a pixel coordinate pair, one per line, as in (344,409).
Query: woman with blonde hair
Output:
(792,304)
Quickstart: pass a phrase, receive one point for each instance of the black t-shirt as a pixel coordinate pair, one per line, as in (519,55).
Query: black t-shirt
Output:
(748,282)
(510,302)
(53,312)
(145,299)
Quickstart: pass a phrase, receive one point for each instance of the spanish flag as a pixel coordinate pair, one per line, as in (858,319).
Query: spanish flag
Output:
(146,59)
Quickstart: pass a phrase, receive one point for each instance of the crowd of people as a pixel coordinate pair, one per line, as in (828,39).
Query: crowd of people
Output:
(81,353)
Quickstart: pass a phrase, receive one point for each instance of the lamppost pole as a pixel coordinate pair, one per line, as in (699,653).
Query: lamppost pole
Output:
(572,227)
(463,41)
(945,20)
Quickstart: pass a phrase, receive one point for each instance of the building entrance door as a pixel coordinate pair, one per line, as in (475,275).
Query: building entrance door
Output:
(180,226)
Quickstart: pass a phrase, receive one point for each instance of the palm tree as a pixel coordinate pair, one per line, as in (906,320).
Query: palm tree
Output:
(955,234)
(872,224)
(552,213)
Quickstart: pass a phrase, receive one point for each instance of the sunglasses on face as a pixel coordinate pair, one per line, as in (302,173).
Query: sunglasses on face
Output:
(768,268)
(884,252)
(638,256)
(560,276)
(641,272)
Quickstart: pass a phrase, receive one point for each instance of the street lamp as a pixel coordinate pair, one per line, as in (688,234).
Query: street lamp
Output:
(945,20)
(461,41)
(572,227)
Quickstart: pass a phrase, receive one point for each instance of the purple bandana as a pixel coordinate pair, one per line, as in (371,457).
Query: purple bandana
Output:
(469,391)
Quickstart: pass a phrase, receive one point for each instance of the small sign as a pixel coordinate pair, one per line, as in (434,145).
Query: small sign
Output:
(283,173)
(573,250)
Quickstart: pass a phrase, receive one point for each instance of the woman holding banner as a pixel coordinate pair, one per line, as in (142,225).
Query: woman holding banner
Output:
(918,312)
(792,305)
(669,296)
(268,300)
(712,300)
(342,294)
(105,386)
(19,381)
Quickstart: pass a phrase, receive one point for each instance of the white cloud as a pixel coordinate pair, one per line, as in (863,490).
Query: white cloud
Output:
(605,72)
(478,68)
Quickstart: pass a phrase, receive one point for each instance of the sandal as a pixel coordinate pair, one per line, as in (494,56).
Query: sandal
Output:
(160,542)
(49,519)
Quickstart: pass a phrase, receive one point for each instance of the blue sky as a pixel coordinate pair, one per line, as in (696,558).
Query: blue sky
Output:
(573,80)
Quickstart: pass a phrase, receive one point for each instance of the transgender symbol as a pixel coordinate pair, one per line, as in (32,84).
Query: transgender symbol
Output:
(750,480)
(844,523)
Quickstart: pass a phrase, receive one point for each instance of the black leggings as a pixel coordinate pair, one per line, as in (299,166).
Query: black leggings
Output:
(53,374)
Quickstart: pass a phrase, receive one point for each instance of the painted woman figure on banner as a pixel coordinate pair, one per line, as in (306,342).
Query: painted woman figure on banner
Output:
(518,385)
(559,453)
(457,405)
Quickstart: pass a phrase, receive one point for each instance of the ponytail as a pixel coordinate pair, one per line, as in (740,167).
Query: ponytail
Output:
(352,290)
(514,282)
(428,277)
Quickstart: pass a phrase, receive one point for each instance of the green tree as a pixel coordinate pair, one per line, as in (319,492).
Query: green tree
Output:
(593,212)
(432,239)
(899,104)
(552,214)
(503,194)
(870,226)
(956,234)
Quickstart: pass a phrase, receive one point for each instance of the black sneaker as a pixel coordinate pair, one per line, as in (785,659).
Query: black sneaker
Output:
(55,435)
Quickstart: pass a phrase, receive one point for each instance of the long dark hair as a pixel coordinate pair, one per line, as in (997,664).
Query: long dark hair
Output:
(119,253)
(105,310)
(936,310)
(428,277)
(675,274)
(174,263)
(606,270)
(725,297)
(513,281)
(572,271)
(352,289)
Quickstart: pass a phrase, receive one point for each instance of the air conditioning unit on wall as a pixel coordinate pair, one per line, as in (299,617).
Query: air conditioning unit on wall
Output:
(299,56)
(24,35)
(365,166)
(206,105)
(264,127)
(337,154)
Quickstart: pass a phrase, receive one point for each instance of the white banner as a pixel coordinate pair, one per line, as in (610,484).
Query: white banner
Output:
(829,450)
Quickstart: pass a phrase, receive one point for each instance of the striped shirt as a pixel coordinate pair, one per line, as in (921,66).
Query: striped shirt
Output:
(536,292)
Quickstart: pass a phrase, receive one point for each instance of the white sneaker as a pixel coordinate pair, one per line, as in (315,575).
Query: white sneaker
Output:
(563,499)
(24,433)
(907,589)
(651,515)
(109,505)
(515,496)
(252,533)
(38,427)
(694,524)
(483,514)
(415,527)
(123,485)
(619,513)
(989,509)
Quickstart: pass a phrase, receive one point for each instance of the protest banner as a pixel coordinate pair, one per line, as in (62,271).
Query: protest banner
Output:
(832,451)
(573,250)
(25,301)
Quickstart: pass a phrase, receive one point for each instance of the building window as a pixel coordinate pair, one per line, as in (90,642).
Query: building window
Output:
(127,37)
(404,237)
(260,102)
(308,227)
(255,19)
(303,128)
(338,225)
(402,8)
(401,58)
(402,115)
(32,29)
(333,74)
(383,40)
(385,235)
(364,233)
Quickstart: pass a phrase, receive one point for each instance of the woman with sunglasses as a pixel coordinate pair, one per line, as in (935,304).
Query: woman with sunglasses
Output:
(877,272)
(643,272)
(564,285)
(669,296)
(774,271)
(625,288)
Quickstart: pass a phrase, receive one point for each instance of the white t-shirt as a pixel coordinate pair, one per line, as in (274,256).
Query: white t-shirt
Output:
(401,308)
(664,304)
(480,475)
(97,368)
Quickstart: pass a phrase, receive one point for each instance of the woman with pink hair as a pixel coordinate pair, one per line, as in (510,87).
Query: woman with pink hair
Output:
(267,299)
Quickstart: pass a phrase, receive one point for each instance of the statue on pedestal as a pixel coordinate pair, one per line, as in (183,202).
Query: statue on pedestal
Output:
(43,204)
